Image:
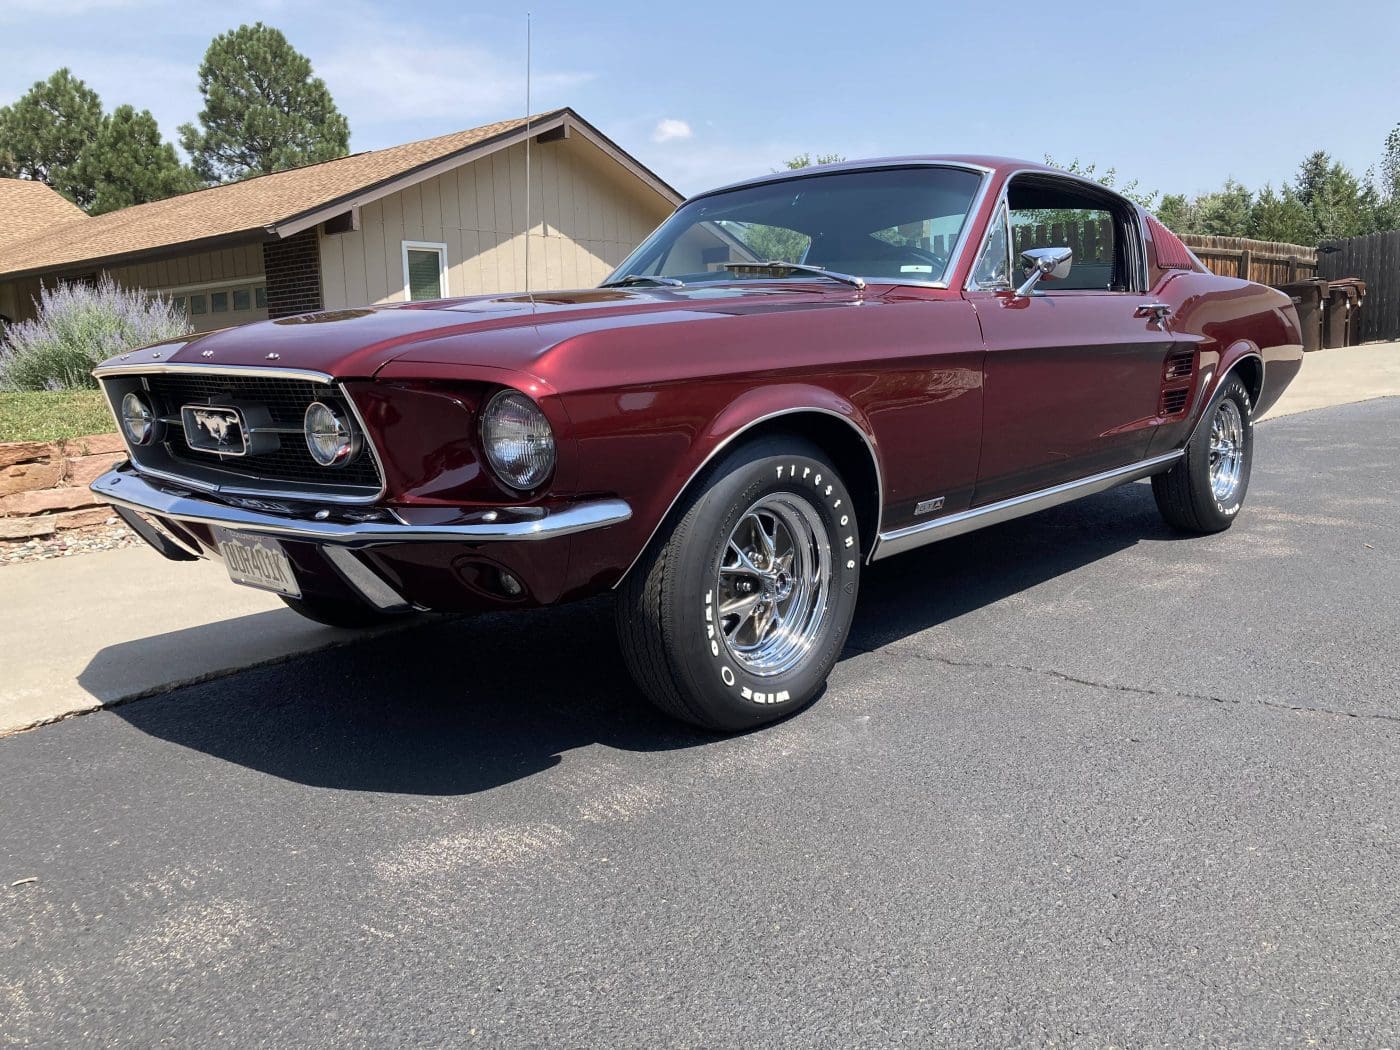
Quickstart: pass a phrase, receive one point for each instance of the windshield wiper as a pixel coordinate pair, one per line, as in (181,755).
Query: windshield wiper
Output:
(640,278)
(821,271)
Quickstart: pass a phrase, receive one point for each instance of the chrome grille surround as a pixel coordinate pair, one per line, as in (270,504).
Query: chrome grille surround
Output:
(288,473)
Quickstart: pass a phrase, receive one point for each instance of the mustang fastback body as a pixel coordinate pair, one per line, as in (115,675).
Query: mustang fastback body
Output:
(947,342)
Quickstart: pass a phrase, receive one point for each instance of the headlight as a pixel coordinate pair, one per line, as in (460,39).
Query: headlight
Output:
(330,439)
(139,419)
(518,440)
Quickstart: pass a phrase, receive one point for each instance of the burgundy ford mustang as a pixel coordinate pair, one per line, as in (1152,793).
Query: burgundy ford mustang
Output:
(792,377)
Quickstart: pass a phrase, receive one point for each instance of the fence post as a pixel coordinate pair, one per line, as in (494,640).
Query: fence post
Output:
(1292,268)
(1246,261)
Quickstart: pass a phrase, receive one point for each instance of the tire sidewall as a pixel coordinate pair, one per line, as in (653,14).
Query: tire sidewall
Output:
(1213,511)
(732,695)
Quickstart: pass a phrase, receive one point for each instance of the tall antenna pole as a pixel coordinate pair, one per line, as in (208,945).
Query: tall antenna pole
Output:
(528,136)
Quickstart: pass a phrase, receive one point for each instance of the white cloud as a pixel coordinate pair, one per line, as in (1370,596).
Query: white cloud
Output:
(390,76)
(670,129)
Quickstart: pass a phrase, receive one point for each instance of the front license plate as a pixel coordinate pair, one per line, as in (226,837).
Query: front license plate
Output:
(256,561)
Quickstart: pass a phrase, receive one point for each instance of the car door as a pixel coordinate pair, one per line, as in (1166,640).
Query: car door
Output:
(1072,377)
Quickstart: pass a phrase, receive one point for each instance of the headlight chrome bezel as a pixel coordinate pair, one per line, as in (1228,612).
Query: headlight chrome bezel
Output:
(539,436)
(137,406)
(346,441)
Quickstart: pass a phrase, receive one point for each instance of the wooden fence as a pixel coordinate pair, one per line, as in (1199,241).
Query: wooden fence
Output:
(1376,260)
(1267,262)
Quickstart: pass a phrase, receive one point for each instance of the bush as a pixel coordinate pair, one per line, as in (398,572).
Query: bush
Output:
(77,327)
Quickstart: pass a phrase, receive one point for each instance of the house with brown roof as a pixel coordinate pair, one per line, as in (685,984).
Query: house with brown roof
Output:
(442,217)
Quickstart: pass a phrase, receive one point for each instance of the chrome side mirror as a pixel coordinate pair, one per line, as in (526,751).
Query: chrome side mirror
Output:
(1053,263)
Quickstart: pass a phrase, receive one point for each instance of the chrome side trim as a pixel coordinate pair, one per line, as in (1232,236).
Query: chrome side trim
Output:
(125,488)
(901,540)
(869,448)
(364,581)
(251,371)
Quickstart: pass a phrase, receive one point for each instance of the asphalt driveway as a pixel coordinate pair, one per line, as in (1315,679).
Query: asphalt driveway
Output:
(1077,782)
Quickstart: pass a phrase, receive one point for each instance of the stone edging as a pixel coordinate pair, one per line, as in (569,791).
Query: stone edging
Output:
(44,484)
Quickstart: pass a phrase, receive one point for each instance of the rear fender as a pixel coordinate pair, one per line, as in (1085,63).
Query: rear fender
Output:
(1240,358)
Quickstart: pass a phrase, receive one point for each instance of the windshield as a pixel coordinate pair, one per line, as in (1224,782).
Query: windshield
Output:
(886,224)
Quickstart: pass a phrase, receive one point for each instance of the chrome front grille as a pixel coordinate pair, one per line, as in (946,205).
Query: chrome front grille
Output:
(286,401)
(286,469)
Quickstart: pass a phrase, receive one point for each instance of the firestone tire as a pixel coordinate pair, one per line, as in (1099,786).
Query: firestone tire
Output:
(1204,492)
(736,617)
(334,613)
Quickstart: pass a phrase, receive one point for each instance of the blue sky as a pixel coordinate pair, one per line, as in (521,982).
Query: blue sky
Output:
(1177,95)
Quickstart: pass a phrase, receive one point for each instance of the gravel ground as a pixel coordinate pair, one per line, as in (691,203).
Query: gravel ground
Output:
(106,537)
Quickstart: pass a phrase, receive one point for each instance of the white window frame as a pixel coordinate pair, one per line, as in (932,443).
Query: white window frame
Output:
(426,246)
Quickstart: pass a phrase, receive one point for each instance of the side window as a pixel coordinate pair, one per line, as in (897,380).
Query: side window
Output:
(993,269)
(1050,215)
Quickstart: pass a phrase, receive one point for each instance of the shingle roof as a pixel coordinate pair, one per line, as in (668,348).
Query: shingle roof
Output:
(252,205)
(28,209)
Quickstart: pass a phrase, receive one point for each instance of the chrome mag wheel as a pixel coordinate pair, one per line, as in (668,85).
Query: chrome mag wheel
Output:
(1226,450)
(773,584)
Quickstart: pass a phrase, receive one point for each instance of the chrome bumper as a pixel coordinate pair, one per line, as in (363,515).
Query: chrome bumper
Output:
(123,487)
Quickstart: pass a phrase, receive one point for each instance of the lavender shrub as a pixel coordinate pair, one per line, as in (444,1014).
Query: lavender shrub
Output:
(78,326)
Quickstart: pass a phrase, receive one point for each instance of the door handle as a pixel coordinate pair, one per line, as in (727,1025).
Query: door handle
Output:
(1156,311)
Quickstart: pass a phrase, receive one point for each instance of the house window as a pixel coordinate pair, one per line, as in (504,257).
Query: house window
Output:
(218,302)
(242,299)
(260,297)
(424,270)
(198,305)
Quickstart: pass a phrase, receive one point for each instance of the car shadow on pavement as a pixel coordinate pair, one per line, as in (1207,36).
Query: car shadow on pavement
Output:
(462,705)
(938,583)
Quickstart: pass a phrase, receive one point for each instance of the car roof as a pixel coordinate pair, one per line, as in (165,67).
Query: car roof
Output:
(976,162)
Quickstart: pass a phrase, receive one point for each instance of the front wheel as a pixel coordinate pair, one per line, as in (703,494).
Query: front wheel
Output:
(1205,490)
(736,617)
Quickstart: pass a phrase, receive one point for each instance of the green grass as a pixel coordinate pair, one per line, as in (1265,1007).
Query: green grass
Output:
(48,416)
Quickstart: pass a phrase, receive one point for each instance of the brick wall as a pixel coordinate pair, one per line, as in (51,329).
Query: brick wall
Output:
(44,484)
(293,269)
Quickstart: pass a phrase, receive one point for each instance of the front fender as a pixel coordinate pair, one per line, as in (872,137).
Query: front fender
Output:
(654,462)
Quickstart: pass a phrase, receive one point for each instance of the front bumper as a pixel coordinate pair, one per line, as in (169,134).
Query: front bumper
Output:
(123,487)
(385,561)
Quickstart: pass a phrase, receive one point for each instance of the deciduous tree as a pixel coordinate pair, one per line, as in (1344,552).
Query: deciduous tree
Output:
(805,160)
(1109,178)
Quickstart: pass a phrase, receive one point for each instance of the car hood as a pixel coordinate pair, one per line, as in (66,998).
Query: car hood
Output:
(506,331)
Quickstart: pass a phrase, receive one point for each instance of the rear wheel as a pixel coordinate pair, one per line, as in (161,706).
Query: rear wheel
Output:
(736,617)
(1205,490)
(335,612)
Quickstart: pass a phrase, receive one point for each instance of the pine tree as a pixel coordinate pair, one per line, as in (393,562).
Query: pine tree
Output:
(128,163)
(1281,217)
(44,133)
(263,109)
